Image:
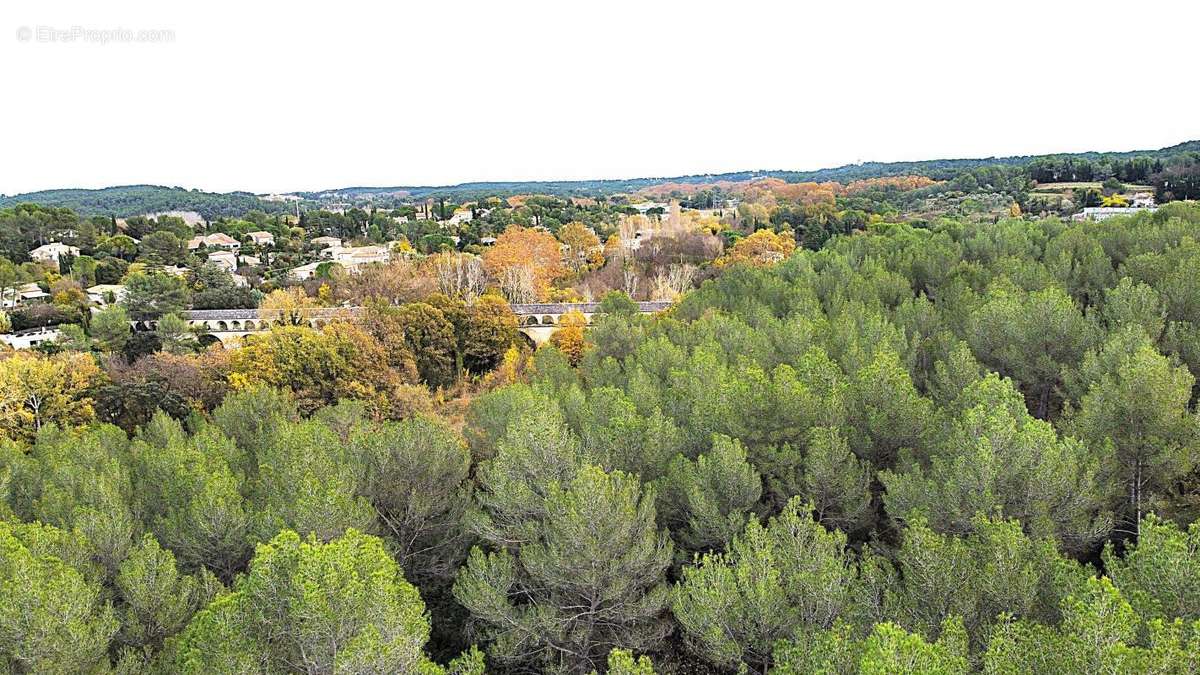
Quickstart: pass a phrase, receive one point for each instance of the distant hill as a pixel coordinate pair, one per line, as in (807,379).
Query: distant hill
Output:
(132,200)
(938,169)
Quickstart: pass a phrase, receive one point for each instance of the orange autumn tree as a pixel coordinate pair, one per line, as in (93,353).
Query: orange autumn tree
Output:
(901,183)
(760,249)
(524,262)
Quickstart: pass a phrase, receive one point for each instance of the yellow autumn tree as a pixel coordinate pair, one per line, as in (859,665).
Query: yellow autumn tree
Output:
(583,246)
(321,367)
(569,337)
(288,306)
(38,390)
(763,248)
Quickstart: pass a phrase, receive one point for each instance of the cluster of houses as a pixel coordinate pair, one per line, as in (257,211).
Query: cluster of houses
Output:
(224,251)
(349,257)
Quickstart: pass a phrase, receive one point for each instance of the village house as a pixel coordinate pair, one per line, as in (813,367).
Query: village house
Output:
(459,217)
(351,257)
(27,339)
(106,294)
(226,260)
(1142,200)
(325,242)
(306,271)
(218,240)
(50,253)
(1099,213)
(261,238)
(25,293)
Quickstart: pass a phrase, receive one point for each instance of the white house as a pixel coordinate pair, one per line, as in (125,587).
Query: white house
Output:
(1098,213)
(1142,200)
(645,207)
(29,292)
(325,242)
(30,338)
(306,271)
(106,294)
(218,240)
(50,253)
(261,238)
(460,216)
(226,260)
(351,257)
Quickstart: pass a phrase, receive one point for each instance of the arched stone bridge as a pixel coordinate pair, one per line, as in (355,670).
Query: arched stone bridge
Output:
(537,321)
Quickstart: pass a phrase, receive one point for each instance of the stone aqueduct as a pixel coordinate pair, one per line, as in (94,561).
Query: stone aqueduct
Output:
(536,321)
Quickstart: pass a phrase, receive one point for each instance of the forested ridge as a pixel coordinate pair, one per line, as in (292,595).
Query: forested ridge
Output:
(960,447)
(1135,166)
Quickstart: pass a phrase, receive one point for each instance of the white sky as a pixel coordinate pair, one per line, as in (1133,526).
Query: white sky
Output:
(282,96)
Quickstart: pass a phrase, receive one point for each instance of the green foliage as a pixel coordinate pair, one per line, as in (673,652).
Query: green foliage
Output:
(150,296)
(943,576)
(706,501)
(1160,574)
(621,662)
(157,602)
(1138,416)
(342,606)
(111,329)
(52,619)
(1099,633)
(790,575)
(430,336)
(307,483)
(491,328)
(1030,337)
(175,335)
(997,459)
(891,649)
(592,573)
(835,481)
(415,476)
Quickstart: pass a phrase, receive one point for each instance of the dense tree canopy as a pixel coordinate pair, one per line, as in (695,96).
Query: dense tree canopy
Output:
(968,446)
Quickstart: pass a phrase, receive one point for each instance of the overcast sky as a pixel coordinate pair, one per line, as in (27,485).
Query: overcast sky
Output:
(246,96)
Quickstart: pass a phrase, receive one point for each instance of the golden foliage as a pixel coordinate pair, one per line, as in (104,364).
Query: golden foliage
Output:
(37,390)
(288,306)
(322,366)
(569,338)
(760,249)
(583,246)
(512,369)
